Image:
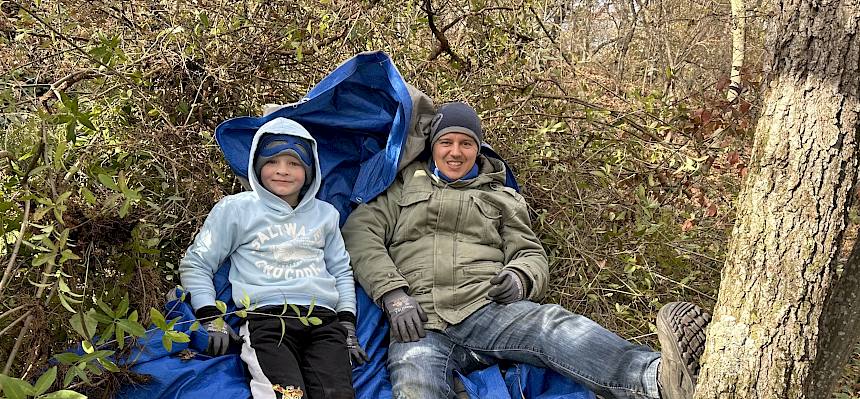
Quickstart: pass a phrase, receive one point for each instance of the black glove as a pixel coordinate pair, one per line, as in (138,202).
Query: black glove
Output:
(219,338)
(507,287)
(357,356)
(404,315)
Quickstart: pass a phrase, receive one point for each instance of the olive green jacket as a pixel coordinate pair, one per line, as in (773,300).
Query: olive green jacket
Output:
(443,242)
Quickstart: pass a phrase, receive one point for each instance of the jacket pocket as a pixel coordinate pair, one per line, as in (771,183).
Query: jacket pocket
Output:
(413,215)
(487,209)
(483,222)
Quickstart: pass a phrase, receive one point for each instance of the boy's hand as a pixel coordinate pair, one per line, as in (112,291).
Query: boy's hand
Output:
(357,356)
(405,316)
(219,338)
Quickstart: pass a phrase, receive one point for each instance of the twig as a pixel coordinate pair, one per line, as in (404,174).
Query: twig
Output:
(17,345)
(444,45)
(10,311)
(97,61)
(18,320)
(7,274)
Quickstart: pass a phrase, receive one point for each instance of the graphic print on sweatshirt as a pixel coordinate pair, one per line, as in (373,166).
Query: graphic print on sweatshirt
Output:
(289,251)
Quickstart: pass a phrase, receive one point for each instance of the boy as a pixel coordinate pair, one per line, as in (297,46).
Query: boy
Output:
(284,246)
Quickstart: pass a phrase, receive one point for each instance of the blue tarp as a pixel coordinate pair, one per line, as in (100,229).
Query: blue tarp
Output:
(359,115)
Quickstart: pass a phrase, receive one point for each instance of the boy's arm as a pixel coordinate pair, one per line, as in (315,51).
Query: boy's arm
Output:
(337,263)
(212,245)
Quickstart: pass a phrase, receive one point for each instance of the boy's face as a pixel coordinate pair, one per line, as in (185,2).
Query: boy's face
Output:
(284,176)
(455,154)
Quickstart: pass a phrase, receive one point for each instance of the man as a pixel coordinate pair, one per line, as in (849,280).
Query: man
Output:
(449,254)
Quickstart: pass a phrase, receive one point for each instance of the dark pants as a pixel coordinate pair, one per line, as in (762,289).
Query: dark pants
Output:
(312,359)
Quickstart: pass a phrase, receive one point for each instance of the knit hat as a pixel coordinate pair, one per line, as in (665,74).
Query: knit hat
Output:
(271,145)
(456,117)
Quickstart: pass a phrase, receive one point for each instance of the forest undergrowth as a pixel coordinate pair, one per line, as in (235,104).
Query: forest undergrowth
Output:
(631,160)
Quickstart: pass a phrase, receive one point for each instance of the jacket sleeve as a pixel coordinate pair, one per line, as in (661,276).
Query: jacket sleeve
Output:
(337,264)
(523,250)
(213,244)
(367,233)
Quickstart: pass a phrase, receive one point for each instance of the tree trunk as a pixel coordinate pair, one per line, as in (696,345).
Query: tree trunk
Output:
(785,322)
(739,29)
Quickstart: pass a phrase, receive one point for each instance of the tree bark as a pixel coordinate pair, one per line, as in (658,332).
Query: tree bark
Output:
(739,29)
(785,321)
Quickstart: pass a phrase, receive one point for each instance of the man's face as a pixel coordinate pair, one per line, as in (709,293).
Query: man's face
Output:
(455,154)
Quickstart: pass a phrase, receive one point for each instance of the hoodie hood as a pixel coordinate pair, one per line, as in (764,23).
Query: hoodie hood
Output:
(286,127)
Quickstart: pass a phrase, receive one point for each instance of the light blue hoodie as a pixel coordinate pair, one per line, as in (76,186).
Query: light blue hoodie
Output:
(278,254)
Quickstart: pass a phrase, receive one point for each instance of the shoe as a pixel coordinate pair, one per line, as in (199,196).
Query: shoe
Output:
(681,331)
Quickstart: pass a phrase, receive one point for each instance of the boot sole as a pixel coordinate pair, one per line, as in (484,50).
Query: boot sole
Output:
(681,331)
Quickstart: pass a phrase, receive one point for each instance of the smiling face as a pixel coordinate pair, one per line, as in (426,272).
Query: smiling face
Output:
(284,176)
(455,154)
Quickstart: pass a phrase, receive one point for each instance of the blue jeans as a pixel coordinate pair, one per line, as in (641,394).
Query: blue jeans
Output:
(543,335)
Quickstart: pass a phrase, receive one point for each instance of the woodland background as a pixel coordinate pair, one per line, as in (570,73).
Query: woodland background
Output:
(613,114)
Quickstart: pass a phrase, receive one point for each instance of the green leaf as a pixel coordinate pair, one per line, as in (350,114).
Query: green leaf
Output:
(66,255)
(122,309)
(296,310)
(84,119)
(58,154)
(311,306)
(221,306)
(166,342)
(120,335)
(67,357)
(304,321)
(45,381)
(314,320)
(158,319)
(15,388)
(88,195)
(242,313)
(64,394)
(65,303)
(43,258)
(283,331)
(178,336)
(123,210)
(194,326)
(133,327)
(95,355)
(87,347)
(77,322)
(109,365)
(107,181)
(105,308)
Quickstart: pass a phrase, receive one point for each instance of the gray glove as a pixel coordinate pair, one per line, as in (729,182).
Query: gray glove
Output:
(404,315)
(357,356)
(219,338)
(507,287)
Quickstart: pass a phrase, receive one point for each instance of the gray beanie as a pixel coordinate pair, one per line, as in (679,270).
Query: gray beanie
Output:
(456,117)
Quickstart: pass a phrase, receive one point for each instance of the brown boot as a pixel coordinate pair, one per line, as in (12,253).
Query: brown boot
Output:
(681,331)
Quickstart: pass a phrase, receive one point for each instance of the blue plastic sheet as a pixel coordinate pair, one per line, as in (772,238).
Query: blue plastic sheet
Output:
(359,115)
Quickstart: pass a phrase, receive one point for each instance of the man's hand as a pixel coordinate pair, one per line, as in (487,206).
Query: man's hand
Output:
(357,356)
(507,287)
(404,315)
(219,338)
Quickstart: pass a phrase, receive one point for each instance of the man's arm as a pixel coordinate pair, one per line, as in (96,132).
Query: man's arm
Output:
(524,253)
(366,234)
